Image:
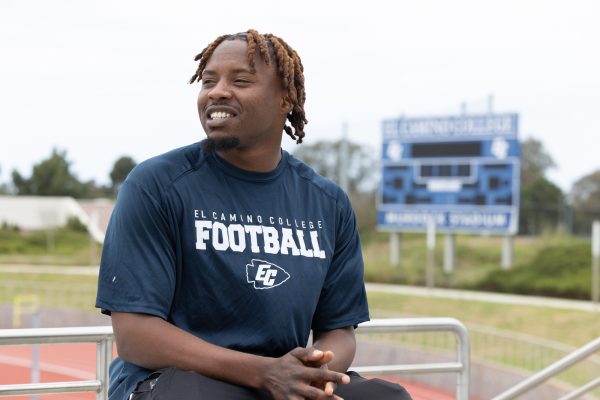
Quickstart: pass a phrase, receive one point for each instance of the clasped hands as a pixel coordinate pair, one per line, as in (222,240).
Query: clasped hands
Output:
(303,374)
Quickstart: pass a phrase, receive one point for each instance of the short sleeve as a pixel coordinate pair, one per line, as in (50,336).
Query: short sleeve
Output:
(343,299)
(137,268)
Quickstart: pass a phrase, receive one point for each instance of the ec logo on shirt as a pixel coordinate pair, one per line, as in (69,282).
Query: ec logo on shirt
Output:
(265,275)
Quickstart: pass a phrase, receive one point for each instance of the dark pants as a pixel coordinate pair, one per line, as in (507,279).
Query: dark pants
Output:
(174,384)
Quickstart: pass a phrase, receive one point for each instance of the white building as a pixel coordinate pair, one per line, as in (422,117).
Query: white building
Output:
(32,213)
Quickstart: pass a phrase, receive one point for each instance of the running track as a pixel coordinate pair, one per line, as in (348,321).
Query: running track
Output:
(64,362)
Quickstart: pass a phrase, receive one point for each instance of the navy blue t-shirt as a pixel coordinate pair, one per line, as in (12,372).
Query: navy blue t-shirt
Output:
(244,260)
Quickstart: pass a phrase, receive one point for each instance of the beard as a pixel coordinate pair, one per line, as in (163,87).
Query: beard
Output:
(211,145)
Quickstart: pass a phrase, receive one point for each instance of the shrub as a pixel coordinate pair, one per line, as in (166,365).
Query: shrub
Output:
(560,270)
(9,227)
(74,224)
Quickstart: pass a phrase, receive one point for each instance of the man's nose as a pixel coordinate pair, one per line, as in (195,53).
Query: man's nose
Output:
(221,90)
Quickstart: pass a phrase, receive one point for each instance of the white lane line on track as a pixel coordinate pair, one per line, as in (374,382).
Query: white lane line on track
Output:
(47,367)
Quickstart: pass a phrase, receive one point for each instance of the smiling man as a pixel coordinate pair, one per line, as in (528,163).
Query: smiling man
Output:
(221,257)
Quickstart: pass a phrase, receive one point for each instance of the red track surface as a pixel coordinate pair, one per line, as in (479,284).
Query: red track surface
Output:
(78,362)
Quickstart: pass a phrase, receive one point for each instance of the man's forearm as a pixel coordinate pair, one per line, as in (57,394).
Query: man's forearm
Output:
(342,342)
(153,343)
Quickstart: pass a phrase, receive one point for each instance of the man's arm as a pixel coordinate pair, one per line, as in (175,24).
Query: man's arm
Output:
(153,343)
(342,342)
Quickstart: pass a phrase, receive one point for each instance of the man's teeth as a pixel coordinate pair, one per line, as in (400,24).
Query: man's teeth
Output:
(220,115)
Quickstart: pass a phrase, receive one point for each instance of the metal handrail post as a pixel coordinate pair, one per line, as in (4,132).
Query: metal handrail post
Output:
(103,358)
(550,371)
(463,349)
(395,325)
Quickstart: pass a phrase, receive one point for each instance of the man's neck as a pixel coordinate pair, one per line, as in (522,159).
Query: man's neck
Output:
(255,161)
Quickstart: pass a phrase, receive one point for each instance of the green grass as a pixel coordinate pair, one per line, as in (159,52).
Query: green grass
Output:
(478,257)
(475,257)
(51,290)
(558,270)
(566,326)
(58,247)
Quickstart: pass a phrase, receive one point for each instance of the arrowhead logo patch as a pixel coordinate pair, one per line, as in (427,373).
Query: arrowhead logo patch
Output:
(265,275)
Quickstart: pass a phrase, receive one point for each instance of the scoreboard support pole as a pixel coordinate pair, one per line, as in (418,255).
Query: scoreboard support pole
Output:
(596,261)
(507,252)
(395,249)
(430,266)
(449,252)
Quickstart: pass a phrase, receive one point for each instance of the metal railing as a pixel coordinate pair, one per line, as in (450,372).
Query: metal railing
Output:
(513,351)
(398,325)
(553,369)
(101,335)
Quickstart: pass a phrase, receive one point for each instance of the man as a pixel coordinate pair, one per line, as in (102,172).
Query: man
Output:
(221,257)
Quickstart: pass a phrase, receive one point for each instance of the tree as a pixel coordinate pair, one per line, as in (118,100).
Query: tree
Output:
(535,161)
(362,174)
(50,177)
(3,186)
(542,202)
(121,168)
(4,189)
(324,157)
(585,196)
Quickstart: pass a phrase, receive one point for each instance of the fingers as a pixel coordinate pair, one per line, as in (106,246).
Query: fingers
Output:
(325,375)
(311,392)
(316,360)
(327,357)
(302,353)
(329,388)
(313,357)
(314,380)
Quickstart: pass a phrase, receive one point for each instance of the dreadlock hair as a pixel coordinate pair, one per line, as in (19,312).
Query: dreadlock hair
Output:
(289,68)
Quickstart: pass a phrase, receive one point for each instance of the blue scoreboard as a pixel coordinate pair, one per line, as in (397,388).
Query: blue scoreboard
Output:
(462,171)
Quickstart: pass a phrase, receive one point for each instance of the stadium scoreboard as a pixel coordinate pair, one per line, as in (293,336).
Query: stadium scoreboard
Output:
(462,171)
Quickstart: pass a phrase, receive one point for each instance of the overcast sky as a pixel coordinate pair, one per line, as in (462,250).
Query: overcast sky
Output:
(102,79)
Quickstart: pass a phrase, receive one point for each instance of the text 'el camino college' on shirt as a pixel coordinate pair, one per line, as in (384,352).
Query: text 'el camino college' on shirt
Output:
(223,231)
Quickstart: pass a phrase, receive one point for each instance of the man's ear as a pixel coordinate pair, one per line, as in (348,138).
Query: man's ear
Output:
(286,105)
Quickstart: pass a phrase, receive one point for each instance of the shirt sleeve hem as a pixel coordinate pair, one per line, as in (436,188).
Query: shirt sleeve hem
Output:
(108,308)
(342,323)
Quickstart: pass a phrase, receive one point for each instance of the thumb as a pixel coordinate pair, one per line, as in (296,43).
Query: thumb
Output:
(307,354)
(319,357)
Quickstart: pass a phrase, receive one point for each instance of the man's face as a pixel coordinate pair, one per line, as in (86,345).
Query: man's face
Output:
(236,103)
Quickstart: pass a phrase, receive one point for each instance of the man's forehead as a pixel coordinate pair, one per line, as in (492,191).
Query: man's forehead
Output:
(234,52)
(232,44)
